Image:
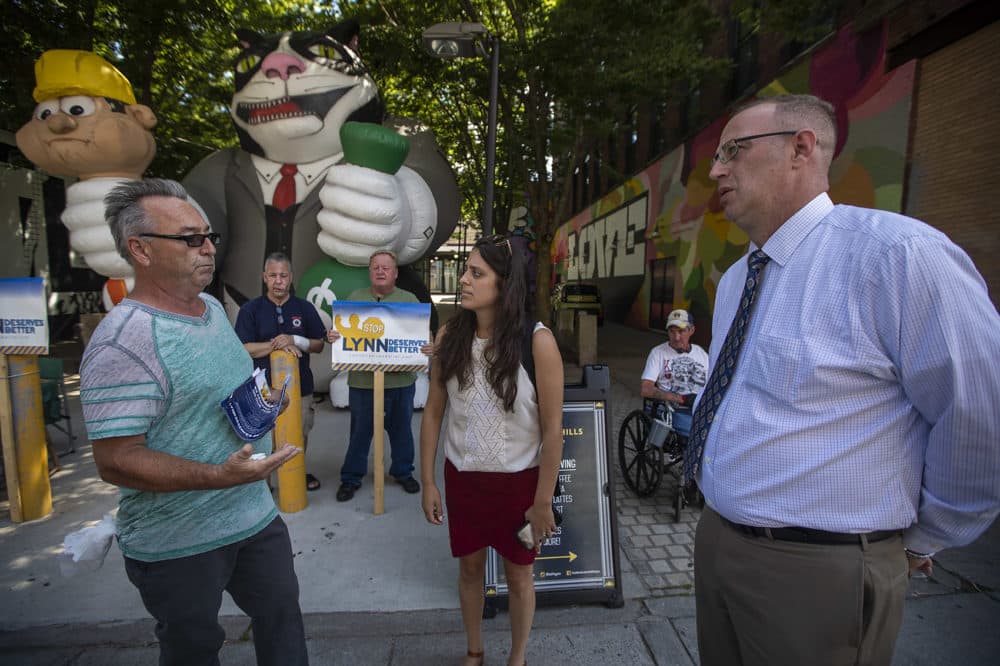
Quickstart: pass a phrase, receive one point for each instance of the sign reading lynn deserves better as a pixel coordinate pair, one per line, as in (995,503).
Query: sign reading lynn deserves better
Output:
(380,336)
(24,327)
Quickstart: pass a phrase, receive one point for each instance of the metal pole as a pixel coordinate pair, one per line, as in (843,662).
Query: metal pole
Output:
(460,264)
(491,138)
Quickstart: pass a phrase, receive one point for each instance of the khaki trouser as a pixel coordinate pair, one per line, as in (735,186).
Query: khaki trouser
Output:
(769,602)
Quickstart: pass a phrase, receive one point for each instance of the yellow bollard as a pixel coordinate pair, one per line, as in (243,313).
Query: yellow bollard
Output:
(29,453)
(288,432)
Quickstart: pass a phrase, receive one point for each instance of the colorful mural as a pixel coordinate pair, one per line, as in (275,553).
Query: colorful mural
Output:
(684,219)
(521,229)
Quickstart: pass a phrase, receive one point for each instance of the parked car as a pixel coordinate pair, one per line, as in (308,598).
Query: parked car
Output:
(579,297)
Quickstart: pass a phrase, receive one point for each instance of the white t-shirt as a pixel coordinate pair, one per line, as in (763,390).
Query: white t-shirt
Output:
(677,372)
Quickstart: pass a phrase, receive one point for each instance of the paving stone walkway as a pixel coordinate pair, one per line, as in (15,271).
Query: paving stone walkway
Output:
(656,548)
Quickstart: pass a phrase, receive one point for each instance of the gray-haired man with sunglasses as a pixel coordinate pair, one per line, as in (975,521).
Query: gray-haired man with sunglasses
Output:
(195,516)
(849,427)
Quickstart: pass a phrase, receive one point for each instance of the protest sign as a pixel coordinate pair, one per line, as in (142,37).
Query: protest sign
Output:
(380,336)
(24,327)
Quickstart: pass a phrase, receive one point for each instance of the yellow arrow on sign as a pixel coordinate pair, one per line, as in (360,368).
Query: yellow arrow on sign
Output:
(572,556)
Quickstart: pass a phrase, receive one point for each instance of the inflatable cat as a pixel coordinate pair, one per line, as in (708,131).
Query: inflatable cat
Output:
(287,188)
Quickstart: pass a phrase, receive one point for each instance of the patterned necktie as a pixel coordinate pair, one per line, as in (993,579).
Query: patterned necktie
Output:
(717,384)
(284,194)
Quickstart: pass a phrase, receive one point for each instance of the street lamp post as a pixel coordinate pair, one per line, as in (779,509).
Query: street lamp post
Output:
(469,40)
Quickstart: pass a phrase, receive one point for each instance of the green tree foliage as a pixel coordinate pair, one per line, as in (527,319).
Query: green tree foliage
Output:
(804,21)
(571,71)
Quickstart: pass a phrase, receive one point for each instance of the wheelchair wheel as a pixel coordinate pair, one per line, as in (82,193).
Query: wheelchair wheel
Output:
(641,464)
(673,450)
(689,495)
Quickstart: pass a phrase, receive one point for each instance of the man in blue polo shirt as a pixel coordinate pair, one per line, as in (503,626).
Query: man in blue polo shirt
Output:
(279,321)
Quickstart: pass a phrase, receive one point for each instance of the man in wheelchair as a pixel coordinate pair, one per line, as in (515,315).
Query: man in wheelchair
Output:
(675,372)
(653,439)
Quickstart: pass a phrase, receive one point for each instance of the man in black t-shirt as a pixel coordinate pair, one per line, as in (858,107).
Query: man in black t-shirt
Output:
(279,321)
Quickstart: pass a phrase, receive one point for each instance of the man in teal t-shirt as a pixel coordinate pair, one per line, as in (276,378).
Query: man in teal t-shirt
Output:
(195,515)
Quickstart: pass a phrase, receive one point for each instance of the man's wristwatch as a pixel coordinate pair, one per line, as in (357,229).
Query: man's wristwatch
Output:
(913,555)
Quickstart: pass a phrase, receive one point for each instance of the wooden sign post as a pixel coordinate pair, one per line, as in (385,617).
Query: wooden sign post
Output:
(24,449)
(378,419)
(7,436)
(23,336)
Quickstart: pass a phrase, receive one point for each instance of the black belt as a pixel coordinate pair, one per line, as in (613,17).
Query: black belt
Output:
(809,535)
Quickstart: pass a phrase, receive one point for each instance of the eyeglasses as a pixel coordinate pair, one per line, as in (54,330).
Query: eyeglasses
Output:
(728,150)
(498,240)
(192,240)
(281,320)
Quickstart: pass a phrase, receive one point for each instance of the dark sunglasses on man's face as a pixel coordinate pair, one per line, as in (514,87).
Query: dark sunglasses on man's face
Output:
(193,240)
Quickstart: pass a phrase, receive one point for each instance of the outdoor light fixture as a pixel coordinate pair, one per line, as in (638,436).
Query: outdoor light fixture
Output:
(470,40)
(456,40)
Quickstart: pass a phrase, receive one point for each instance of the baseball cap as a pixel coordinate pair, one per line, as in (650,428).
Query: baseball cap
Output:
(680,319)
(250,413)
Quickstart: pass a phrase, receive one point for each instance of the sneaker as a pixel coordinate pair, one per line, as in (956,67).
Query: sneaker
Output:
(409,484)
(346,492)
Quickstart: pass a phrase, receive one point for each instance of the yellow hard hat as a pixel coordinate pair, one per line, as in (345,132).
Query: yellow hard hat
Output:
(63,72)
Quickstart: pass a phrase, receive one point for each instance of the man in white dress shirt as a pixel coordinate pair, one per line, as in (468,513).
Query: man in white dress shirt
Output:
(859,419)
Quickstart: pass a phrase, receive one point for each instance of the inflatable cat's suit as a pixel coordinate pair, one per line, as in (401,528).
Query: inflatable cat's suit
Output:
(294,92)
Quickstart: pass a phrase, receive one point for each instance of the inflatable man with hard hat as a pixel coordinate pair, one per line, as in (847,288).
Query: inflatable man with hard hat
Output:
(87,125)
(318,177)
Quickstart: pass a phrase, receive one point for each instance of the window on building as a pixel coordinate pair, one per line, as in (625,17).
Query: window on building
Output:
(690,113)
(661,293)
(743,49)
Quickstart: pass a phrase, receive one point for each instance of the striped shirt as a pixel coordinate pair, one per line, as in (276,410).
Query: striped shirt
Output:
(866,393)
(162,375)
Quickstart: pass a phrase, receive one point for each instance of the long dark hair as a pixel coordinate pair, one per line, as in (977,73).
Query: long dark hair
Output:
(503,352)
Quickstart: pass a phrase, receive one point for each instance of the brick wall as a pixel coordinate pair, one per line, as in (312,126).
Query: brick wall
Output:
(954,176)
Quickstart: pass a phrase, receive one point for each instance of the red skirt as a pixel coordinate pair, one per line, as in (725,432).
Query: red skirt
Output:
(487,509)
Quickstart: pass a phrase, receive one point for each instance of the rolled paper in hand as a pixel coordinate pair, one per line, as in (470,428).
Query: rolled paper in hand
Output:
(373,146)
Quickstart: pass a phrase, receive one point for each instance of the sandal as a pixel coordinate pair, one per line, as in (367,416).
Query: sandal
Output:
(475,655)
(312,483)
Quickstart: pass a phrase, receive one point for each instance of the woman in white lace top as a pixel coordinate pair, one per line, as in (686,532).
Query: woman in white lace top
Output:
(502,437)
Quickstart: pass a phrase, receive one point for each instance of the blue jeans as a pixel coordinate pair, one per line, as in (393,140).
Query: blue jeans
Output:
(398,417)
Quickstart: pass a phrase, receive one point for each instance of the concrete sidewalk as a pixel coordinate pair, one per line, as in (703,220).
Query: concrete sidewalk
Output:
(381,589)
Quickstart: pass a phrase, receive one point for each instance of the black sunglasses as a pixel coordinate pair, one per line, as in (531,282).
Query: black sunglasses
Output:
(278,311)
(193,240)
(498,240)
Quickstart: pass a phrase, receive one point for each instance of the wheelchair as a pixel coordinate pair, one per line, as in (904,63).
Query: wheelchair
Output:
(651,441)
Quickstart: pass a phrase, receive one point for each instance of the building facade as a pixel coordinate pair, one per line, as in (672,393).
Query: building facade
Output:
(917,115)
